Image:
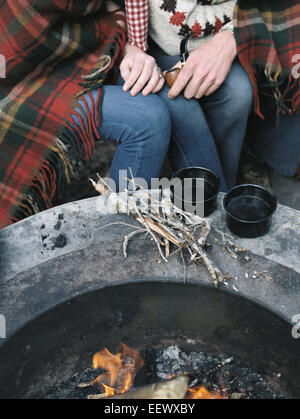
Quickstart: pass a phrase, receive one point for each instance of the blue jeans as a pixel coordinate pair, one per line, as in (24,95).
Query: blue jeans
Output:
(210,132)
(142,128)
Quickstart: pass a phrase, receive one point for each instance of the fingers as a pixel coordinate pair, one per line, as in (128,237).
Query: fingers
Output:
(159,85)
(155,83)
(218,81)
(210,85)
(206,85)
(137,70)
(193,86)
(125,69)
(181,82)
(140,72)
(134,74)
(145,76)
(212,89)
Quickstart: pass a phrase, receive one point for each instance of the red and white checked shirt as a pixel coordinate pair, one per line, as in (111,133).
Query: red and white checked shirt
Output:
(137,14)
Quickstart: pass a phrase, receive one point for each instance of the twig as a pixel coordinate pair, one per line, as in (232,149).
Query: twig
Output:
(104,183)
(216,274)
(184,267)
(141,218)
(167,247)
(205,233)
(132,179)
(129,237)
(264,274)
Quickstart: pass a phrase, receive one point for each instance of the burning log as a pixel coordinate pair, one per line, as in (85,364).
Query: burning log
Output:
(175,389)
(166,225)
(238,396)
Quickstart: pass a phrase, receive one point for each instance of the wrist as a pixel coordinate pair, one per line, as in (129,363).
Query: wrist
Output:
(130,48)
(226,42)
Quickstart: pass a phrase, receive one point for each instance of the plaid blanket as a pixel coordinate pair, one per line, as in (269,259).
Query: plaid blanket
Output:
(51,51)
(268,38)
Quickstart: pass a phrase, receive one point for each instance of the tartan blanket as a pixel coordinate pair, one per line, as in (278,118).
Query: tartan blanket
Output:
(51,51)
(268,39)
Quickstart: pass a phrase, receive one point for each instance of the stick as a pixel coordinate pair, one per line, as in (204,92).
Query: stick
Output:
(184,267)
(205,233)
(129,237)
(216,274)
(167,247)
(103,182)
(160,230)
(100,188)
(175,389)
(151,233)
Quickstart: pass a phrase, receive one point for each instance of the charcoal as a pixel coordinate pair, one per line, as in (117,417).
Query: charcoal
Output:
(212,371)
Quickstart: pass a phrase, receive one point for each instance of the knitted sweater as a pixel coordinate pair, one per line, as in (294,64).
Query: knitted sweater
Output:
(171,20)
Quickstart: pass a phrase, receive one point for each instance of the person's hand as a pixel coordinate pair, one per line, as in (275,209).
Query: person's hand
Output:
(140,72)
(206,68)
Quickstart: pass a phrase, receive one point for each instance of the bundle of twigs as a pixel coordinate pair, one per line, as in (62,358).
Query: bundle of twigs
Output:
(166,225)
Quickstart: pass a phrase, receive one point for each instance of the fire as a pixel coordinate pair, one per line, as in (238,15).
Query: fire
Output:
(201,393)
(121,369)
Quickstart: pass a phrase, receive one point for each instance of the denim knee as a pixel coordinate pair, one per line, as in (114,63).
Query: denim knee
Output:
(151,120)
(133,120)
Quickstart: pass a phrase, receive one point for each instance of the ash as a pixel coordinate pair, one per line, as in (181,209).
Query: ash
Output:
(213,372)
(69,390)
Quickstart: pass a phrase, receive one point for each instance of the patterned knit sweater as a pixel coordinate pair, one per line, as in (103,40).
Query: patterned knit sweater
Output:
(171,20)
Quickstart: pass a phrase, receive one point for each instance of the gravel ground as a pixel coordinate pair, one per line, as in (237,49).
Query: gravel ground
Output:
(256,171)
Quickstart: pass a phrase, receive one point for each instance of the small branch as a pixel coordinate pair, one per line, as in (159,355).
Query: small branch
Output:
(206,230)
(216,274)
(103,182)
(184,267)
(167,247)
(100,188)
(142,220)
(132,179)
(129,237)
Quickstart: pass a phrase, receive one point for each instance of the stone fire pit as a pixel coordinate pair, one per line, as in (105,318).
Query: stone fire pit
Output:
(59,254)
(66,291)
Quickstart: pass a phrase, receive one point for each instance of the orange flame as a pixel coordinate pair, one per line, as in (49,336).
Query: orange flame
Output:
(121,369)
(201,393)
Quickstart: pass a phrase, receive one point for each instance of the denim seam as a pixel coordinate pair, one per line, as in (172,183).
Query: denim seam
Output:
(181,149)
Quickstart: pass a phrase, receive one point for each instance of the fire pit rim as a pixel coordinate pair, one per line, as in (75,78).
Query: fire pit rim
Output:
(160,281)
